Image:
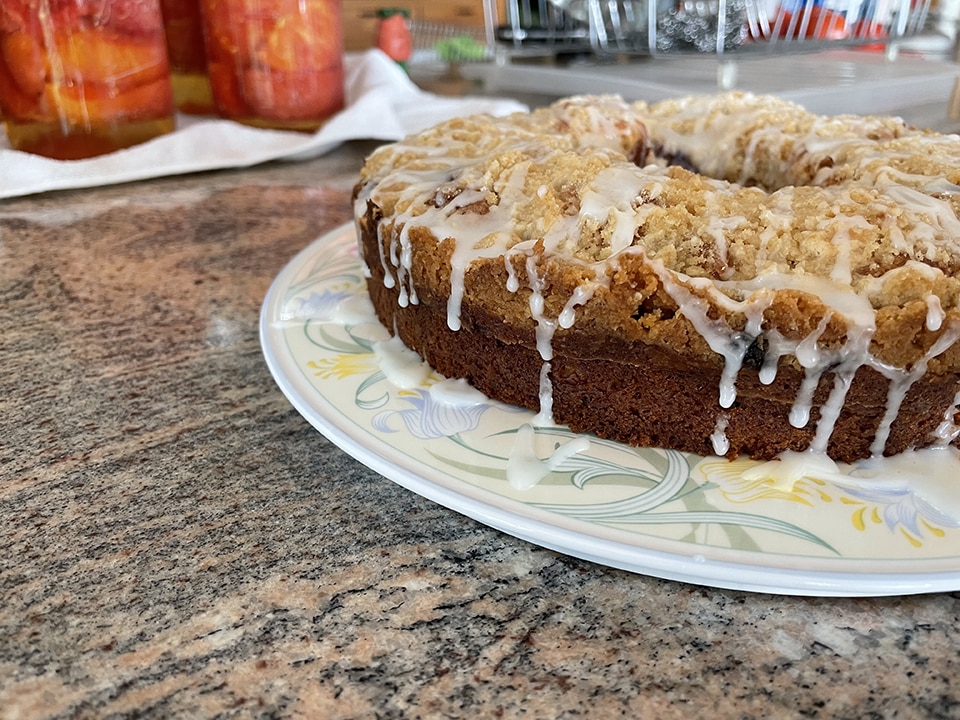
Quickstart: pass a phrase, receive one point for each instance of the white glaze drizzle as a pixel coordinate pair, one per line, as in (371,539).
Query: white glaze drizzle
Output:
(525,468)
(948,430)
(717,228)
(388,279)
(545,326)
(401,365)
(456,392)
(355,310)
(719,436)
(935,313)
(730,344)
(513,282)
(580,296)
(930,474)
(901,380)
(544,418)
(615,199)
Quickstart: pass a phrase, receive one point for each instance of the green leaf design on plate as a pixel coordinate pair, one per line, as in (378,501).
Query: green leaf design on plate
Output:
(669,482)
(317,333)
(722,517)
(374,403)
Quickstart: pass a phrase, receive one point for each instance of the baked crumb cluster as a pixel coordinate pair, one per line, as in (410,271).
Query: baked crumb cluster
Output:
(777,189)
(705,225)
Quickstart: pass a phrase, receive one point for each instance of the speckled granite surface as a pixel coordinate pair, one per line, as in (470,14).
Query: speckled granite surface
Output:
(180,543)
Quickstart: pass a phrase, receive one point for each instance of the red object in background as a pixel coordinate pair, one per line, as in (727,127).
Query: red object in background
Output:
(188,57)
(821,24)
(275,63)
(79,79)
(393,34)
(871,30)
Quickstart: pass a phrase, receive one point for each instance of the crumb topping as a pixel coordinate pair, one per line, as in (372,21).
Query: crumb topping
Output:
(778,190)
(736,231)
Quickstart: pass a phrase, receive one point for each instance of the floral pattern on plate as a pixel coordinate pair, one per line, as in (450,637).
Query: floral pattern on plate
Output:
(659,511)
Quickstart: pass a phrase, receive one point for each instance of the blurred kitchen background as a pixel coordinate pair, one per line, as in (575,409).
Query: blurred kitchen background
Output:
(866,56)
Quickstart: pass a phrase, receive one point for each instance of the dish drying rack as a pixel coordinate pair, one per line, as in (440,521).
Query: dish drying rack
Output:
(448,43)
(685,27)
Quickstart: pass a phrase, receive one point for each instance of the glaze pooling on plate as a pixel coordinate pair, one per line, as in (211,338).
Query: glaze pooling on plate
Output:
(675,515)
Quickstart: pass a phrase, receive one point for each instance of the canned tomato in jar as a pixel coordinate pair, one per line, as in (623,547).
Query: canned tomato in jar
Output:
(188,57)
(81,78)
(275,63)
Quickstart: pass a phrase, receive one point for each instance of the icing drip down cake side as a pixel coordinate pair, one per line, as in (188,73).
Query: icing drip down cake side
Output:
(724,275)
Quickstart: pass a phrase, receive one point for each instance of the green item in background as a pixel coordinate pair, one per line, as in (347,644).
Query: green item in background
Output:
(462,48)
(390,12)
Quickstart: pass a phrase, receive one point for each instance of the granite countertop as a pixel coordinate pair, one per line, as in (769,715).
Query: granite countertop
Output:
(181,543)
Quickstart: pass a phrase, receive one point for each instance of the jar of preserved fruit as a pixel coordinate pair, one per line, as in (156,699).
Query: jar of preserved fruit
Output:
(275,63)
(188,57)
(79,79)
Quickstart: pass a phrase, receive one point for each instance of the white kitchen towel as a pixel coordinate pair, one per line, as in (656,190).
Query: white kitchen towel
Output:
(382,103)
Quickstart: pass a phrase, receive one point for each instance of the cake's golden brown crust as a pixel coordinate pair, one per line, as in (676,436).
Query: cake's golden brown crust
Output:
(671,306)
(648,393)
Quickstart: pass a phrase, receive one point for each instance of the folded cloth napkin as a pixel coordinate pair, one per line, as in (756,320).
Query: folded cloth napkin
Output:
(381,104)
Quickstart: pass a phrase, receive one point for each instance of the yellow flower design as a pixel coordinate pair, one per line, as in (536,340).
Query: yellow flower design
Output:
(738,485)
(896,509)
(898,512)
(345,365)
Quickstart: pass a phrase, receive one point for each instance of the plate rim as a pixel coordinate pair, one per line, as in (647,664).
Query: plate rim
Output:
(504,515)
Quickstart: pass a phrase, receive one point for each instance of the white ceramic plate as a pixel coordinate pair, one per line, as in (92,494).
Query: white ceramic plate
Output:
(657,512)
